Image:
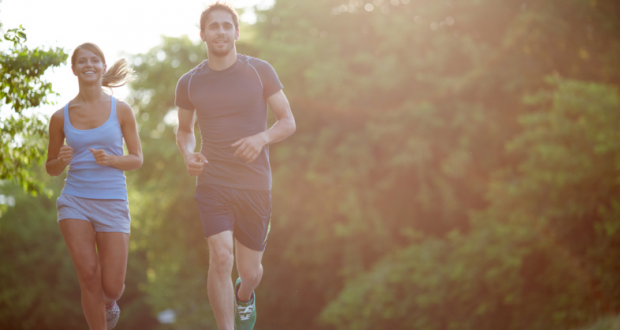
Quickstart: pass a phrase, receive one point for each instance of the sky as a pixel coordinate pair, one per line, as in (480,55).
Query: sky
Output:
(118,27)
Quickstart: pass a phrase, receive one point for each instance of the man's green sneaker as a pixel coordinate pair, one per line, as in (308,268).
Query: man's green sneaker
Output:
(245,313)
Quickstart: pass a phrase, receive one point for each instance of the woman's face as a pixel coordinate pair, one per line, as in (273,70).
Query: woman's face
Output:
(88,67)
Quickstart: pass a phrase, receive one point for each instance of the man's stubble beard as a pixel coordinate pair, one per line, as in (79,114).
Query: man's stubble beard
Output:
(220,53)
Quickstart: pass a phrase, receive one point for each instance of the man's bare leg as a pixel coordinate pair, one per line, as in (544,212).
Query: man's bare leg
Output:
(219,283)
(250,270)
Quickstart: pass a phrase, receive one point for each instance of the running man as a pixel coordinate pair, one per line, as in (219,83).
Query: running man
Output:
(229,93)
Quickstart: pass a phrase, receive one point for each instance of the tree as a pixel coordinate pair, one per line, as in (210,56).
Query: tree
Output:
(403,114)
(22,135)
(543,255)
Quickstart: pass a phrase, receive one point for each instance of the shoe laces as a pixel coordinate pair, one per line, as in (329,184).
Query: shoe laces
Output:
(245,312)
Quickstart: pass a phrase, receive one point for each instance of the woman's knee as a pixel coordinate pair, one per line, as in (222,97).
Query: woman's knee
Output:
(89,275)
(113,291)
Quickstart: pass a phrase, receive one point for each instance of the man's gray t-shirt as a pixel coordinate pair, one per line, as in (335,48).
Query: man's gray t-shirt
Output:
(230,104)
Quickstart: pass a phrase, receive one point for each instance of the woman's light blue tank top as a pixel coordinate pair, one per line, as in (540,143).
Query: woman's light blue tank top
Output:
(86,178)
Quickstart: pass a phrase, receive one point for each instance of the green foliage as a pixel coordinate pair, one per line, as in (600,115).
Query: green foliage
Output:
(23,135)
(402,118)
(541,256)
(569,179)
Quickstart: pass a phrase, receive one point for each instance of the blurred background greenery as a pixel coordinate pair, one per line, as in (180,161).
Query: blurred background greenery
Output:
(456,166)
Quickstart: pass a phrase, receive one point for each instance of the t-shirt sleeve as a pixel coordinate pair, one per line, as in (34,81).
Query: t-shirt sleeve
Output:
(181,97)
(269,77)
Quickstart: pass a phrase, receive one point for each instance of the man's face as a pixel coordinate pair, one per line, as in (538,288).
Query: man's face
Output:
(219,33)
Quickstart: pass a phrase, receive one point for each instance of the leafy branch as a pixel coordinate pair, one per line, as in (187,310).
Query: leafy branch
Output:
(22,87)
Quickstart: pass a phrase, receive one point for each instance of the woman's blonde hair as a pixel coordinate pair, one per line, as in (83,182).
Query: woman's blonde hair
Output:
(116,76)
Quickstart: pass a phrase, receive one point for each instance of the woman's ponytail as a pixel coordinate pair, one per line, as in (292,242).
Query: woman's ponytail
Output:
(117,75)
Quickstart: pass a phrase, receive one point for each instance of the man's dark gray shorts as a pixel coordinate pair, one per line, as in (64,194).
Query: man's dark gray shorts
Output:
(247,213)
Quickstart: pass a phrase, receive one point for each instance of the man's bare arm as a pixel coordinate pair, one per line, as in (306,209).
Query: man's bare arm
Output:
(250,147)
(186,141)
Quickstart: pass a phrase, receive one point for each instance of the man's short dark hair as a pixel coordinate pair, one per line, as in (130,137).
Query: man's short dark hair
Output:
(219,6)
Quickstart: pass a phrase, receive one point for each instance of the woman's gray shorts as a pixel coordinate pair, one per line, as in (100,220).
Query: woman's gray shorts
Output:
(106,215)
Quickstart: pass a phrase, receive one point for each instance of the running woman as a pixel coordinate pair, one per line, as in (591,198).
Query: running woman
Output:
(229,94)
(93,212)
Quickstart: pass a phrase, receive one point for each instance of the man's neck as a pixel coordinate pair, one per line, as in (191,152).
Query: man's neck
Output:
(219,63)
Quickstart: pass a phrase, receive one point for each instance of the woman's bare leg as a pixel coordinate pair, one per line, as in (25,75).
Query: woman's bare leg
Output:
(79,236)
(113,250)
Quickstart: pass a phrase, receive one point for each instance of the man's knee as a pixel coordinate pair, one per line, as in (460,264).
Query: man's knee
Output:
(250,273)
(221,249)
(221,257)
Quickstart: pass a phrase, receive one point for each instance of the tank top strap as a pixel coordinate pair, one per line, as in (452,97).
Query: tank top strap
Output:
(66,120)
(113,110)
(113,116)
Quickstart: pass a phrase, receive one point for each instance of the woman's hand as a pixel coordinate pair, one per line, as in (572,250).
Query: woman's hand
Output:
(102,158)
(65,155)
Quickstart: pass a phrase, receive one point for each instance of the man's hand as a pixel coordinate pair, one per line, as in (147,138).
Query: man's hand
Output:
(65,155)
(250,147)
(101,157)
(195,163)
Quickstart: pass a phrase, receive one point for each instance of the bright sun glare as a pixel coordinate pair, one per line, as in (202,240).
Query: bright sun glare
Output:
(119,27)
